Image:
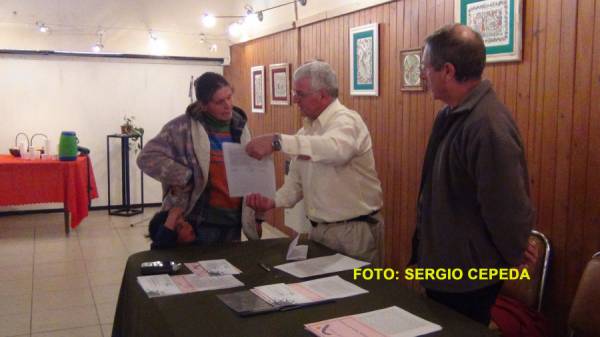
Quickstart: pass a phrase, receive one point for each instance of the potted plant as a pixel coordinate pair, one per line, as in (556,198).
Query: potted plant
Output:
(129,128)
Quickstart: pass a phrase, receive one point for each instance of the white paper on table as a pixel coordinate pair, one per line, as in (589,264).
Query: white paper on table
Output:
(281,294)
(332,287)
(219,267)
(295,251)
(246,175)
(321,265)
(158,285)
(191,283)
(388,322)
(197,269)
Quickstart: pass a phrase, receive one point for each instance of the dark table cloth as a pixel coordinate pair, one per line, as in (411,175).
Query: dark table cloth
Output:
(203,314)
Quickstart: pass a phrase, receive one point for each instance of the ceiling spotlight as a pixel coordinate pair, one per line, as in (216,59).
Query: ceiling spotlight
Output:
(251,20)
(209,20)
(98,46)
(202,38)
(152,36)
(235,29)
(42,27)
(213,48)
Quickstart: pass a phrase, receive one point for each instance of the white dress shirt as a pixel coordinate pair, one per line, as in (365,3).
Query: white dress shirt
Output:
(332,168)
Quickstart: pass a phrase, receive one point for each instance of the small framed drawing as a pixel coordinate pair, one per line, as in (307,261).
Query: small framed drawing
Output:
(500,24)
(364,60)
(410,60)
(279,83)
(257,88)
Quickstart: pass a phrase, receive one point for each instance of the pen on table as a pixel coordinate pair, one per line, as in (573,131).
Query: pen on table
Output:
(264,266)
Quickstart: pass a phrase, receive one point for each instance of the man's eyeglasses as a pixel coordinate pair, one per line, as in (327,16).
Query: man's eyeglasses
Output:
(301,94)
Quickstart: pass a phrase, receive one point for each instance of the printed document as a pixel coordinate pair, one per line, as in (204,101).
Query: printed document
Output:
(164,285)
(217,267)
(327,288)
(246,175)
(388,322)
(321,265)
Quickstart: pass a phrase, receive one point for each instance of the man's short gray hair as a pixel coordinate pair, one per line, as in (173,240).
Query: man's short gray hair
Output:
(321,76)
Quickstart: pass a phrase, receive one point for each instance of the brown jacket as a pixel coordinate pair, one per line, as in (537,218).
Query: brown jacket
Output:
(474,209)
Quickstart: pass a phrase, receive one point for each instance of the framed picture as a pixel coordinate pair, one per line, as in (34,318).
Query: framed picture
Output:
(279,83)
(410,62)
(257,88)
(364,60)
(500,24)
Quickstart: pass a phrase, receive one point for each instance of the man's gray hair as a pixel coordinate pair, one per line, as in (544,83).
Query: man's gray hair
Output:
(321,76)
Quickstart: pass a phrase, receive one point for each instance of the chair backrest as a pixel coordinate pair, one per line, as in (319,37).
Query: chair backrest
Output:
(584,317)
(531,292)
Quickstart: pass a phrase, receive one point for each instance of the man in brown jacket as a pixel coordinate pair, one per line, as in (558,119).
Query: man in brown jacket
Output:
(474,210)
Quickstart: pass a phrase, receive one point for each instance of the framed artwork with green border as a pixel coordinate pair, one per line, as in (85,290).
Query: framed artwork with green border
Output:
(500,24)
(364,60)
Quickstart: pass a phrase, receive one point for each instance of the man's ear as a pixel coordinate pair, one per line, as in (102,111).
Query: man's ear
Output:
(449,71)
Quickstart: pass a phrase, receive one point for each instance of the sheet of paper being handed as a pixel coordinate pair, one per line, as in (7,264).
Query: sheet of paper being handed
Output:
(246,175)
(297,252)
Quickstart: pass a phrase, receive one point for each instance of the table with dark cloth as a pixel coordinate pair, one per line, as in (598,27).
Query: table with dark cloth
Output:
(43,181)
(203,314)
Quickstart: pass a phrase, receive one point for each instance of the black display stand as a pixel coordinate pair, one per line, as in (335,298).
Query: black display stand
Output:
(125,209)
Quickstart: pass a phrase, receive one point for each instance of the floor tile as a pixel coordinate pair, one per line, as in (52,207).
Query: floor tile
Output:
(107,330)
(62,299)
(51,269)
(58,283)
(106,312)
(89,331)
(72,317)
(11,304)
(14,325)
(106,294)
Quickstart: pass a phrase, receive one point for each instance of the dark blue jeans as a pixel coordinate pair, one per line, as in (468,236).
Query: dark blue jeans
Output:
(475,304)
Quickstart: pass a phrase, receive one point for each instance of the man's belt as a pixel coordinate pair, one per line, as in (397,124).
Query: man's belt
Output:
(368,218)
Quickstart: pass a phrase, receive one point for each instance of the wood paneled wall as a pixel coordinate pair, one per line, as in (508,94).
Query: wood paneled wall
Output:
(554,94)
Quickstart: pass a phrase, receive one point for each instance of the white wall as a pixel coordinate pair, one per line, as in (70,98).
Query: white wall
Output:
(90,96)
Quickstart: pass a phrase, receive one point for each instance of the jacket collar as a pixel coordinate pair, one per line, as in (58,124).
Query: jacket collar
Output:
(473,97)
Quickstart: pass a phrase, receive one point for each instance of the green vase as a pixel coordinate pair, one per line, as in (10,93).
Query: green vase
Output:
(67,146)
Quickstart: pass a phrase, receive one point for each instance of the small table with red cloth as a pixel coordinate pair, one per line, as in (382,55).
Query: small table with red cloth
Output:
(43,181)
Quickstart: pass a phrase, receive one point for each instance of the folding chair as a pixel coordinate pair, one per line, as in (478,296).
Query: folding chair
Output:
(531,292)
(584,316)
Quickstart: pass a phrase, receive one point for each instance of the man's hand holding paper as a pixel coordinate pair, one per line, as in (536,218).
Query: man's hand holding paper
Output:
(246,175)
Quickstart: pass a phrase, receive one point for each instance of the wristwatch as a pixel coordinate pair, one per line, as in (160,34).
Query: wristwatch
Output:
(276,142)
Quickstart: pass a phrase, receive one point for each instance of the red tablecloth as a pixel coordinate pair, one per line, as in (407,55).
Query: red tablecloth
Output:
(41,181)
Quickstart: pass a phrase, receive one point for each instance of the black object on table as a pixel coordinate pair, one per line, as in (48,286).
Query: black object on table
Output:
(126,208)
(203,314)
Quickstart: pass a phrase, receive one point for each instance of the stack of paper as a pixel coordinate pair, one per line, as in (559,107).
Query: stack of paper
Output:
(163,284)
(207,275)
(321,265)
(388,322)
(282,296)
(218,267)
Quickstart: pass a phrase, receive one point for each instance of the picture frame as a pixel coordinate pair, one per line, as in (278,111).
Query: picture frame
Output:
(279,83)
(500,24)
(364,60)
(257,88)
(410,65)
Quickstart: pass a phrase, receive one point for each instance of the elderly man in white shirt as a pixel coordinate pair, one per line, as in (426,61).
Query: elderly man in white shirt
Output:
(332,168)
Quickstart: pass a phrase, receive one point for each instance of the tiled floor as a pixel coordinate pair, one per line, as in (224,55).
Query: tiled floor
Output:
(52,285)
